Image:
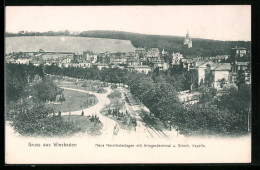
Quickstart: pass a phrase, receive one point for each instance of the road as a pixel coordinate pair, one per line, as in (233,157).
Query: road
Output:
(142,130)
(108,124)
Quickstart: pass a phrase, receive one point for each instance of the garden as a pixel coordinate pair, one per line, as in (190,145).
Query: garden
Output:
(117,111)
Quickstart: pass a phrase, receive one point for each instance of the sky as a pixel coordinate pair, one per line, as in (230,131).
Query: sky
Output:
(228,23)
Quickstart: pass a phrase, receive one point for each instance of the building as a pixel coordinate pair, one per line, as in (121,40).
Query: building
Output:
(103,58)
(133,62)
(188,97)
(201,67)
(118,59)
(85,64)
(100,66)
(237,66)
(153,53)
(219,73)
(241,72)
(142,69)
(220,58)
(94,58)
(176,58)
(164,52)
(188,40)
(159,63)
(81,64)
(140,51)
(56,55)
(165,66)
(238,51)
(132,55)
(187,64)
(23,61)
(89,55)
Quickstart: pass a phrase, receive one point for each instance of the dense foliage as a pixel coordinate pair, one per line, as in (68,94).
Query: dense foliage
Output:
(35,119)
(17,79)
(25,103)
(46,95)
(201,47)
(224,112)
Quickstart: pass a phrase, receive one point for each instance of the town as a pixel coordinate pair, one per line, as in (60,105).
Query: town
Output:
(151,91)
(223,68)
(131,84)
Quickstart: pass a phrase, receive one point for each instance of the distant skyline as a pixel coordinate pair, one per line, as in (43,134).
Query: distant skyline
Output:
(228,23)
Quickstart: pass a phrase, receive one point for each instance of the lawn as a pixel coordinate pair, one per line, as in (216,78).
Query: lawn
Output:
(117,103)
(89,85)
(75,101)
(92,128)
(116,100)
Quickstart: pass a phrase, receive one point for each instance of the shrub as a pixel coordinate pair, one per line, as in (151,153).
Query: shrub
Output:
(113,86)
(46,90)
(208,119)
(32,119)
(55,126)
(114,94)
(101,90)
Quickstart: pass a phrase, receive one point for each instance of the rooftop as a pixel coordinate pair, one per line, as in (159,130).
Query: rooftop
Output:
(239,48)
(154,49)
(203,63)
(140,66)
(139,49)
(222,56)
(242,63)
(220,66)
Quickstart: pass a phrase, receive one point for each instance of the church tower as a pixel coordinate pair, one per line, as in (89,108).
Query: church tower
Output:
(187,40)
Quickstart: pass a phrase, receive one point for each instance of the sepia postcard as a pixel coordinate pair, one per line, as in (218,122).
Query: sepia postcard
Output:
(127,84)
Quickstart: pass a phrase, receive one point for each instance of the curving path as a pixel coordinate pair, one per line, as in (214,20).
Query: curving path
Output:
(108,124)
(142,130)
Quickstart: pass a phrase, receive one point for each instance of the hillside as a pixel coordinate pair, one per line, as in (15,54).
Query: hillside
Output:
(201,47)
(66,44)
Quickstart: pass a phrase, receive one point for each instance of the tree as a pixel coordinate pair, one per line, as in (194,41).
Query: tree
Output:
(109,111)
(113,112)
(241,78)
(235,99)
(207,94)
(16,82)
(46,90)
(222,82)
(27,114)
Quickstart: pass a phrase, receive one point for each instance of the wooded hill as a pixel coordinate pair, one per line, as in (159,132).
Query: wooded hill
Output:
(201,47)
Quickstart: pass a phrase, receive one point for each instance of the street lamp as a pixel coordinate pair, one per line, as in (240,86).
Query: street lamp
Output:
(69,103)
(170,124)
(248,120)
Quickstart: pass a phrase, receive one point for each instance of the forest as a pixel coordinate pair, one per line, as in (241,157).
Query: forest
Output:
(200,47)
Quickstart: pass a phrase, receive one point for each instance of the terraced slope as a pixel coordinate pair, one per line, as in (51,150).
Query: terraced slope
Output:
(66,44)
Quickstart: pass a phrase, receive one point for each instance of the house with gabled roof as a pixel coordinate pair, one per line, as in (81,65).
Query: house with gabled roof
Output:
(201,67)
(240,66)
(219,74)
(140,50)
(140,68)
